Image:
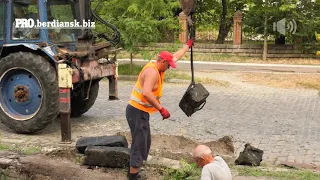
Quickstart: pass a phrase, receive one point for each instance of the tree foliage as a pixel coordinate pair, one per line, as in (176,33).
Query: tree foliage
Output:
(143,22)
(218,14)
(139,21)
(304,12)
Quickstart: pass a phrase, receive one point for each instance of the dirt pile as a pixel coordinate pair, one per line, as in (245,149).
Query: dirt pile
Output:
(66,163)
(42,167)
(179,147)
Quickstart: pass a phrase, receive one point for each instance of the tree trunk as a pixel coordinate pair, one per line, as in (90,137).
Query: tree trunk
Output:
(265,45)
(225,25)
(131,62)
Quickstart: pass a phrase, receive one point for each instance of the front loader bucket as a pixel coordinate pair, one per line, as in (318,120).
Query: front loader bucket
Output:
(188,6)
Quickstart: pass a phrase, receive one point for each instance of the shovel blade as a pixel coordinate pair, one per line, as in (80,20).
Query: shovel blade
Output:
(188,6)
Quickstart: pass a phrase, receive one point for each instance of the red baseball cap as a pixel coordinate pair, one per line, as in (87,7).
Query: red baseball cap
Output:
(166,55)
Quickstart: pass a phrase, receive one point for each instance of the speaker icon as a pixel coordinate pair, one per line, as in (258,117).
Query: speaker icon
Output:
(281,26)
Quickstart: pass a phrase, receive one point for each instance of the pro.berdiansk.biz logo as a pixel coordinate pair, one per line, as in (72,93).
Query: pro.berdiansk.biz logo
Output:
(55,24)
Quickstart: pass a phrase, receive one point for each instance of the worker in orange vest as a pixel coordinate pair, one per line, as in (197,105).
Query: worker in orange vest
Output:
(144,101)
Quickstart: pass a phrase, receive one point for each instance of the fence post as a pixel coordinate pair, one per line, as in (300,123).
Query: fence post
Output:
(183,36)
(237,28)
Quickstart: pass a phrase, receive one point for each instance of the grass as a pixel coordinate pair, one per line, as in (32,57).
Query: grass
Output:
(30,150)
(296,81)
(4,147)
(287,174)
(192,172)
(235,59)
(3,174)
(124,69)
(277,80)
(187,172)
(20,149)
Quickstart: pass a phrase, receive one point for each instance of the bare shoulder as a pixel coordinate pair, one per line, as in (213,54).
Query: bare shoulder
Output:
(150,73)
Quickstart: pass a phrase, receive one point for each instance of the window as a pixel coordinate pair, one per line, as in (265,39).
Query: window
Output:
(62,12)
(2,11)
(27,10)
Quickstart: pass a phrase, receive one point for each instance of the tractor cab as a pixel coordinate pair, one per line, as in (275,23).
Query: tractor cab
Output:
(2,23)
(62,13)
(42,21)
(23,10)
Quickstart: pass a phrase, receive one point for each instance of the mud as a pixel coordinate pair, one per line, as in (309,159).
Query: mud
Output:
(57,165)
(66,162)
(179,147)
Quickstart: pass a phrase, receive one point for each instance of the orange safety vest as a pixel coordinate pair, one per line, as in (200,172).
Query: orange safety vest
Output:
(137,99)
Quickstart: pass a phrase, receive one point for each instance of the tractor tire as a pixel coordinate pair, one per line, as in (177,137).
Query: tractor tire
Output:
(29,92)
(80,106)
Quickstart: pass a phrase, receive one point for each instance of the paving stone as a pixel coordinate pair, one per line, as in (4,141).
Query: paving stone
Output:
(244,111)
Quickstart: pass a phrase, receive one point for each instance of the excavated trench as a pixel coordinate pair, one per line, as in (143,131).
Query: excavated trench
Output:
(179,147)
(66,163)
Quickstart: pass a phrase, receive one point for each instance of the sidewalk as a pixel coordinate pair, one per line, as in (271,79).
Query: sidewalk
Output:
(226,66)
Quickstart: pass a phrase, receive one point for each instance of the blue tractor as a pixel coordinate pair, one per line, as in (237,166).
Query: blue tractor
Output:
(31,54)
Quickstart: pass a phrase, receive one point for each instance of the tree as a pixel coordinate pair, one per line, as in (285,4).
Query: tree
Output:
(305,13)
(219,14)
(140,22)
(265,32)
(268,12)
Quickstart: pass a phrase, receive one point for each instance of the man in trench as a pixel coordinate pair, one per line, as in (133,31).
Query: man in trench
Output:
(213,167)
(145,100)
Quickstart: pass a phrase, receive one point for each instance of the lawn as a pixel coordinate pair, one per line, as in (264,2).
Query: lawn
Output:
(292,81)
(125,69)
(231,58)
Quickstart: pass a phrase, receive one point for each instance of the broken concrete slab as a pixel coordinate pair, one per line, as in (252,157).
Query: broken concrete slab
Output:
(250,156)
(300,165)
(114,157)
(5,162)
(163,162)
(110,141)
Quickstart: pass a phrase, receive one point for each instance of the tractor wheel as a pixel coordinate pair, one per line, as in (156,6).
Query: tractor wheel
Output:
(80,106)
(29,92)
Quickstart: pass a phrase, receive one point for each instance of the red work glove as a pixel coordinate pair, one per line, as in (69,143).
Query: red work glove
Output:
(190,43)
(165,113)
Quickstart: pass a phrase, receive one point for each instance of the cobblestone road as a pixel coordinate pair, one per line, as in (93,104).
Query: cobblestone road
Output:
(282,122)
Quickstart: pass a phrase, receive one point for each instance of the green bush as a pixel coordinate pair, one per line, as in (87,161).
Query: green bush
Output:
(187,172)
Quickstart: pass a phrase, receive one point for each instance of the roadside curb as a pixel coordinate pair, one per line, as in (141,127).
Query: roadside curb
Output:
(207,66)
(142,61)
(134,78)
(127,77)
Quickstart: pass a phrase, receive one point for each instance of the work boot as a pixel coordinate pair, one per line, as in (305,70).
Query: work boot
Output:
(139,176)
